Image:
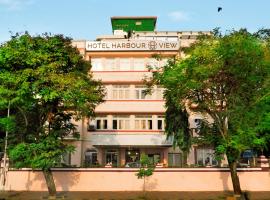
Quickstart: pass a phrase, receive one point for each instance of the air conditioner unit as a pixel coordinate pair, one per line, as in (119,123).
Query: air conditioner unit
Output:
(91,127)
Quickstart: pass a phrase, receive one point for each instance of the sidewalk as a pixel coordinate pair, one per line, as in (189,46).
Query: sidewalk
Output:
(129,195)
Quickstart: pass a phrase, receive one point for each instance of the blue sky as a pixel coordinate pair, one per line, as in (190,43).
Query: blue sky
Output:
(85,19)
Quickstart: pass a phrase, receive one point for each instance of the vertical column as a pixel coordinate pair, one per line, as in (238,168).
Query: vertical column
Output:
(154,122)
(76,156)
(191,157)
(132,93)
(100,156)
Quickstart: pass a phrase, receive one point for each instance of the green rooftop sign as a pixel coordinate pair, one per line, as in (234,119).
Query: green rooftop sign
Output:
(134,23)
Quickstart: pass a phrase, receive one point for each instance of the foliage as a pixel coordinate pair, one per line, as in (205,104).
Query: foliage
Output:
(146,168)
(225,78)
(48,84)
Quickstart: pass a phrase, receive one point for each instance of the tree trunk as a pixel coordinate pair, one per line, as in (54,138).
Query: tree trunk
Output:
(235,179)
(49,181)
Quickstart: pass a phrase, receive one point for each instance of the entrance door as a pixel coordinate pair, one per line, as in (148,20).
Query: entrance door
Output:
(112,157)
(132,158)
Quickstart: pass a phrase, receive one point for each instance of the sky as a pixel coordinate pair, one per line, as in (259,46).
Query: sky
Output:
(86,19)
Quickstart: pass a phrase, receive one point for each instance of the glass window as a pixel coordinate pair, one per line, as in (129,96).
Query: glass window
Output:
(111,64)
(143,122)
(154,158)
(140,92)
(159,92)
(66,158)
(152,62)
(205,156)
(101,122)
(121,122)
(139,64)
(90,158)
(120,92)
(96,64)
(124,64)
(111,157)
(174,160)
(161,124)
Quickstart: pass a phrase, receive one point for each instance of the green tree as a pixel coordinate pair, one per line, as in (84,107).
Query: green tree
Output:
(223,78)
(146,169)
(47,83)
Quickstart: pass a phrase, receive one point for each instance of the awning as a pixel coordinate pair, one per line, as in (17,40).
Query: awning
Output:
(130,140)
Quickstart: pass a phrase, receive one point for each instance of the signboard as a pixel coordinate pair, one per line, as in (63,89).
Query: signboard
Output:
(132,45)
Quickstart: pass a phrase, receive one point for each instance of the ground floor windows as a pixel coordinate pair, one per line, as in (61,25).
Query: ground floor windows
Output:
(205,157)
(66,159)
(154,158)
(91,158)
(175,160)
(111,158)
(132,158)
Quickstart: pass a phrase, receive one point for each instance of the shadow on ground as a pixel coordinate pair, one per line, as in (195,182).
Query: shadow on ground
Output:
(129,195)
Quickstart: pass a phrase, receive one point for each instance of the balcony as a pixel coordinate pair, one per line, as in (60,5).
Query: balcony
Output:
(131,106)
(121,76)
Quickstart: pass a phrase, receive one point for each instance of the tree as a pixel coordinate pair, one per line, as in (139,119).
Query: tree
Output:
(223,78)
(47,83)
(146,169)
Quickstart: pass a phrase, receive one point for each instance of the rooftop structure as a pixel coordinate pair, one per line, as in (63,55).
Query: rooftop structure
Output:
(130,24)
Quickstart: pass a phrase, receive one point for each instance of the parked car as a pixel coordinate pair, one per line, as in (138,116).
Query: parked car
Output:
(133,164)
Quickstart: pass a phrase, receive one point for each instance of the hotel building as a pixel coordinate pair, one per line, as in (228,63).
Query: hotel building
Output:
(129,122)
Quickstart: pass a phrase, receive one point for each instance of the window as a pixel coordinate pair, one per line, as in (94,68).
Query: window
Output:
(143,122)
(152,62)
(111,157)
(139,64)
(205,156)
(96,64)
(121,122)
(164,62)
(140,92)
(111,65)
(174,160)
(120,92)
(197,125)
(160,123)
(159,92)
(90,158)
(124,64)
(101,123)
(66,158)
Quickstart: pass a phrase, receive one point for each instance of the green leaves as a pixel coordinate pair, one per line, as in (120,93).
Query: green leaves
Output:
(48,83)
(146,168)
(224,78)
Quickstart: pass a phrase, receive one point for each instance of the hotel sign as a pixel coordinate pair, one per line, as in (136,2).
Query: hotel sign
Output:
(132,45)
